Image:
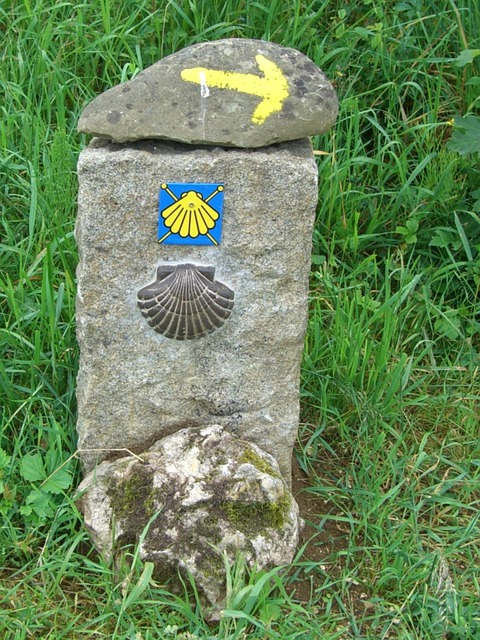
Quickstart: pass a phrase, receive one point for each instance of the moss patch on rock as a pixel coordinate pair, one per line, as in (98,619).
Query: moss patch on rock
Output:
(132,498)
(255,517)
(250,457)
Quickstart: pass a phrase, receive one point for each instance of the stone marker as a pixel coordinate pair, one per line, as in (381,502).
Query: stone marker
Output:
(137,384)
(215,494)
(235,92)
(192,302)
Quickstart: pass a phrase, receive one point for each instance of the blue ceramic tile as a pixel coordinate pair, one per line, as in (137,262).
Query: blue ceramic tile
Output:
(190,213)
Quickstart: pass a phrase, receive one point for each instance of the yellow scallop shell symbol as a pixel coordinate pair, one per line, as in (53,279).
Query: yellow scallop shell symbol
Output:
(190,216)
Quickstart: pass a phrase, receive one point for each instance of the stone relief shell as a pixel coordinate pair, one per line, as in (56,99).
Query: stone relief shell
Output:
(185,301)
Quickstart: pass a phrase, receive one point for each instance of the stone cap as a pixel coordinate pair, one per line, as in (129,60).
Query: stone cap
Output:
(233,93)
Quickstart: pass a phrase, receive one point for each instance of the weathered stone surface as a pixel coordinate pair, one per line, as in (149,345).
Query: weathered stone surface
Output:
(136,386)
(235,92)
(207,493)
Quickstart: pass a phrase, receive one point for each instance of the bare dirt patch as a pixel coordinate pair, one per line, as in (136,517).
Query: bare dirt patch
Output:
(324,542)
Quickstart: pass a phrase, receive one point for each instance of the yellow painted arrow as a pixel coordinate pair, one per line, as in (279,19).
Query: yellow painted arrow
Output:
(272,87)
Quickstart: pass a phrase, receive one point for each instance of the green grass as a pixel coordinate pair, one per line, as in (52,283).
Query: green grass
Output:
(390,378)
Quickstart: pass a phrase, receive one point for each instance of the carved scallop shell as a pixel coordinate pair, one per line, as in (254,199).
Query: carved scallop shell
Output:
(185,302)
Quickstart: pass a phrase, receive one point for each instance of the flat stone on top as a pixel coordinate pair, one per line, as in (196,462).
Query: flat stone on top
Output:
(234,92)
